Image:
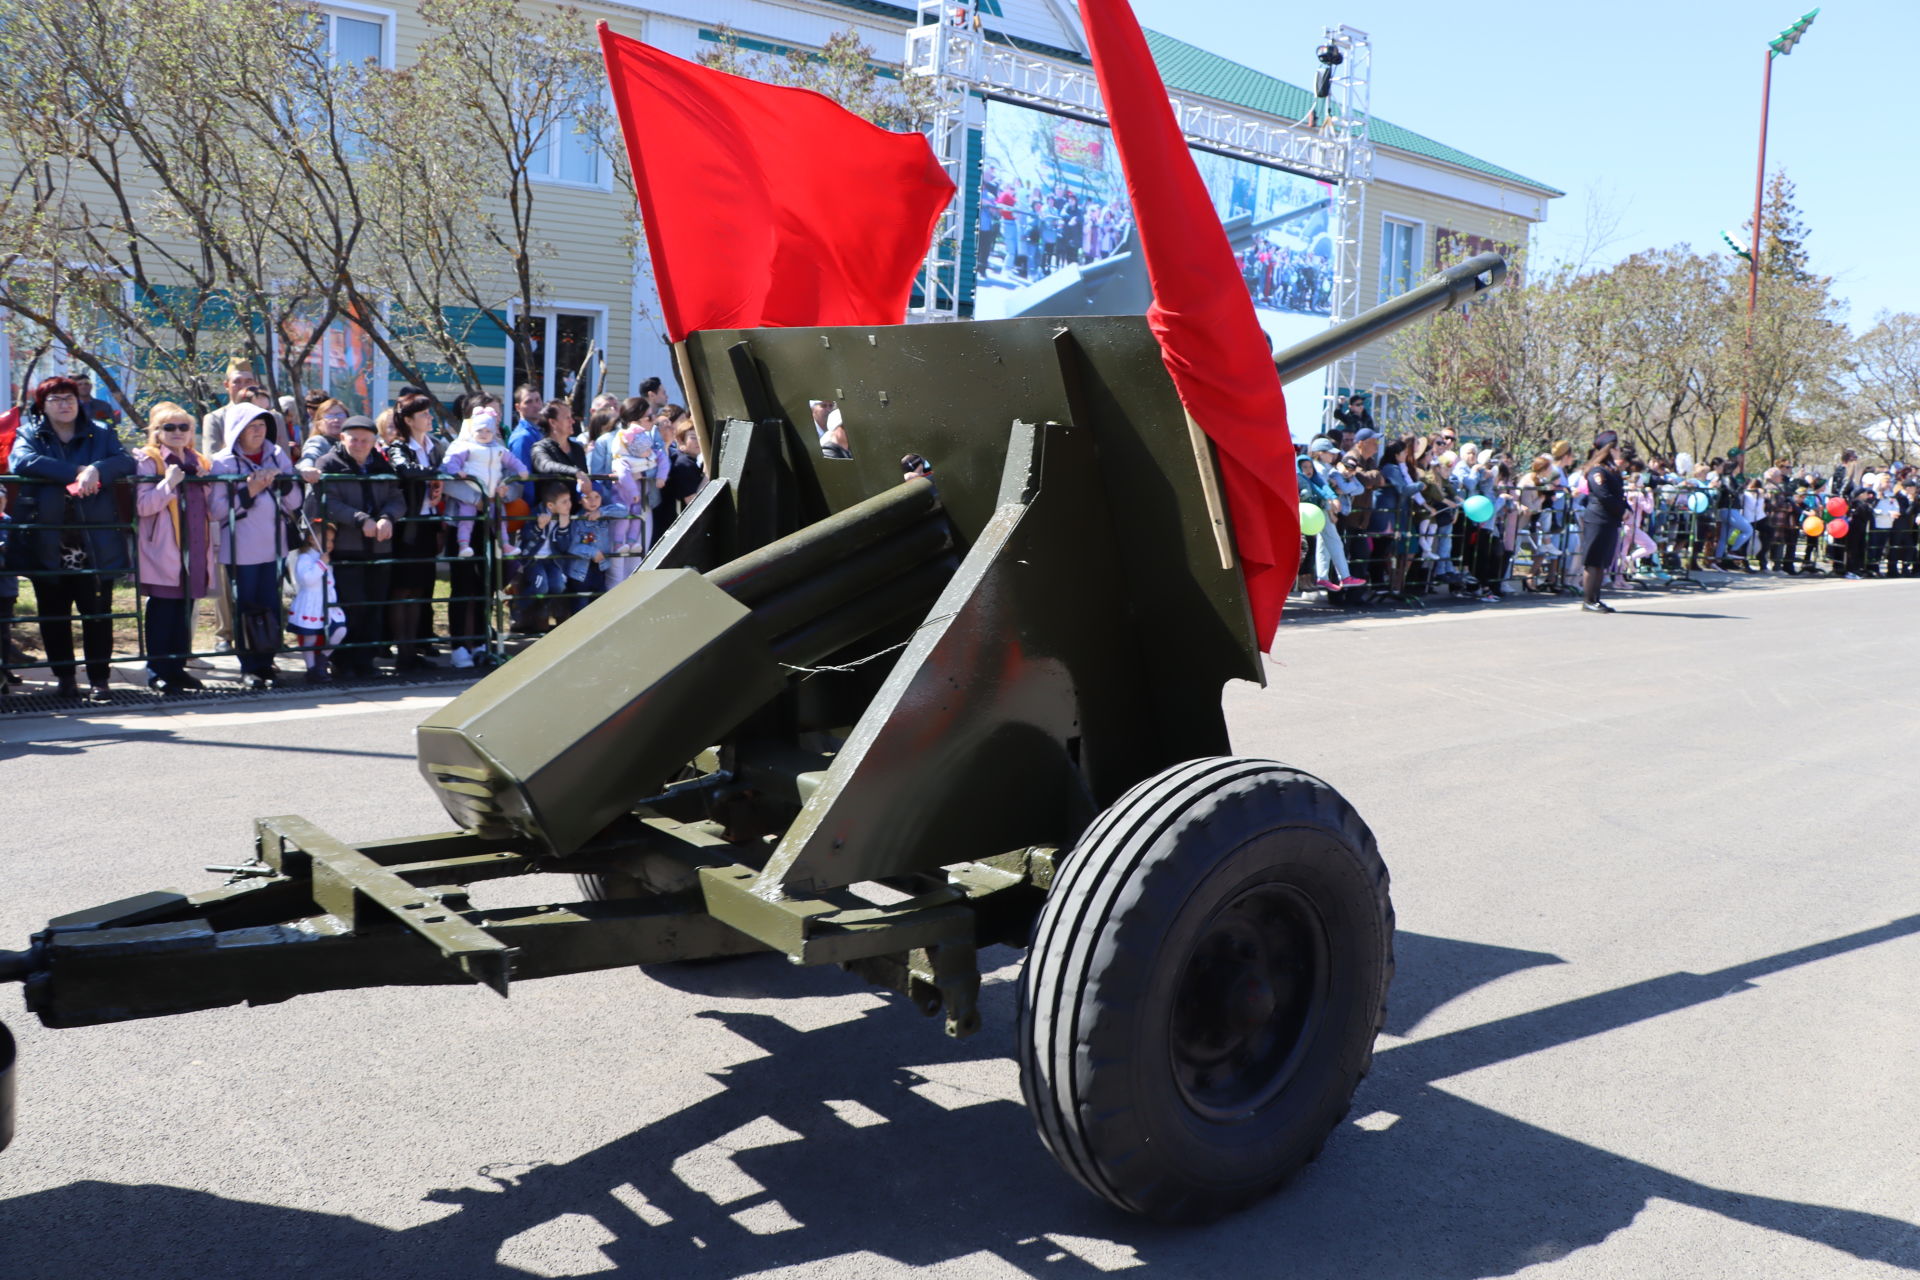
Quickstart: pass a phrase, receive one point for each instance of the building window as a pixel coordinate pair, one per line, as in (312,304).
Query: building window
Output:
(1399,256)
(564,154)
(356,36)
(1450,247)
(1390,408)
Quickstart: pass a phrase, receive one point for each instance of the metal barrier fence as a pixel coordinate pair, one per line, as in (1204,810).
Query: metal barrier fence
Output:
(490,588)
(1671,534)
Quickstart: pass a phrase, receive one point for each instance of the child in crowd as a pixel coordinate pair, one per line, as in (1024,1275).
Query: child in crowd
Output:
(639,469)
(479,458)
(546,547)
(314,615)
(596,563)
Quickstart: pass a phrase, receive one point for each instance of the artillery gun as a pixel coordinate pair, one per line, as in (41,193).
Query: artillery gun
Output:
(884,723)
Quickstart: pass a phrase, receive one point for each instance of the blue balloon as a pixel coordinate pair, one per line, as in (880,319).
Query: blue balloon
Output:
(1697,503)
(1478,508)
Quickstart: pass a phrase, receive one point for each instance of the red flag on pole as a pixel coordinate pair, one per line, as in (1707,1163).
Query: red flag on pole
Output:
(1202,315)
(767,205)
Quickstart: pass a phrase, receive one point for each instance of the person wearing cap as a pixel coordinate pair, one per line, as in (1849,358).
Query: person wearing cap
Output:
(1362,463)
(1330,571)
(253,489)
(360,496)
(1601,511)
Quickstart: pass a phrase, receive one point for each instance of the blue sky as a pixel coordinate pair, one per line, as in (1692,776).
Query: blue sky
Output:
(1646,114)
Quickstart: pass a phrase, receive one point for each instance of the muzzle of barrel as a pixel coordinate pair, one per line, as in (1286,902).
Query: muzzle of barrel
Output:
(8,1055)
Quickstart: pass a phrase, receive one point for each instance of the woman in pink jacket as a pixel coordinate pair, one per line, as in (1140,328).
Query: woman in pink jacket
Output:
(175,542)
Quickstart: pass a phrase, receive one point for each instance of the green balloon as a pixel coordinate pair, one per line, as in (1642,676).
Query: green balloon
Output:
(1478,508)
(1312,520)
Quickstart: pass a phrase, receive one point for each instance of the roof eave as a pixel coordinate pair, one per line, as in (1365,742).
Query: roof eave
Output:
(1515,183)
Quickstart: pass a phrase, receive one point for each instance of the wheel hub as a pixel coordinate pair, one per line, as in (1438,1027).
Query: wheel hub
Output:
(1250,998)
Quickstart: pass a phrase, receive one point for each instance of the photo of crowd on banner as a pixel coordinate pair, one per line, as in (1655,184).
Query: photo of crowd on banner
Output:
(1053,224)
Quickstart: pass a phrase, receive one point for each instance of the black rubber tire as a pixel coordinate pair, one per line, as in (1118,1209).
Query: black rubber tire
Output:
(596,887)
(1152,880)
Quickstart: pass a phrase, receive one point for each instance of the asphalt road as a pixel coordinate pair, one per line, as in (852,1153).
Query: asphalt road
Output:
(1656,1010)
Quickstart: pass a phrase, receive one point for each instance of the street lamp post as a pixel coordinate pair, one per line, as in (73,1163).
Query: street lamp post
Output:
(1778,47)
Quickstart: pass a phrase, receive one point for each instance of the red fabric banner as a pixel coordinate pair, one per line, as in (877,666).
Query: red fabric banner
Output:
(766,205)
(1202,315)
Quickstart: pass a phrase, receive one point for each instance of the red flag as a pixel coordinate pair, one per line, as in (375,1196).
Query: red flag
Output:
(1202,315)
(767,205)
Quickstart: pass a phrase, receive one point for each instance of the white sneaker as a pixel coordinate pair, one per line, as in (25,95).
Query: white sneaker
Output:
(466,553)
(460,657)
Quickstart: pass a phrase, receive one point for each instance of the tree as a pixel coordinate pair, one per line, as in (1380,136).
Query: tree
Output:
(1654,347)
(1886,378)
(844,69)
(1783,240)
(201,204)
(1798,343)
(513,79)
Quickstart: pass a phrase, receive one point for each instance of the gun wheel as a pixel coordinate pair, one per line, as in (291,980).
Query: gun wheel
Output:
(1206,980)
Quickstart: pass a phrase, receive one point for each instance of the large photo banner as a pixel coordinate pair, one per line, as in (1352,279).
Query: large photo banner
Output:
(1054,234)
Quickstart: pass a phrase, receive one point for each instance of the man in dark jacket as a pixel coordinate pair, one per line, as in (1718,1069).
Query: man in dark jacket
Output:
(1354,414)
(75,464)
(1903,560)
(359,495)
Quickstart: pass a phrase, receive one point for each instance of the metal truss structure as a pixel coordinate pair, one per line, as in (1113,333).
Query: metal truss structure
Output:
(967,64)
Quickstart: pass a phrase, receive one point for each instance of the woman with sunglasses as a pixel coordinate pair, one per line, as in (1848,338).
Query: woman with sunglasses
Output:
(76,545)
(175,542)
(328,417)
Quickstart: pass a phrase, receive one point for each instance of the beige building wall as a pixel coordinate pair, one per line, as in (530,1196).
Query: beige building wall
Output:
(1435,220)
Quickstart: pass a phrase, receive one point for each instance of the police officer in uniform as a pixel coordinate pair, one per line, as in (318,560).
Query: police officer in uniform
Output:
(1600,516)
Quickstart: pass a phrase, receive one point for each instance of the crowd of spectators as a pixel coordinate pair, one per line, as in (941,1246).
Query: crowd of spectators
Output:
(334,528)
(1414,516)
(1026,231)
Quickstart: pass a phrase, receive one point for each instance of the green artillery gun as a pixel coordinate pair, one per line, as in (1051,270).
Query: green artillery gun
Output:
(884,724)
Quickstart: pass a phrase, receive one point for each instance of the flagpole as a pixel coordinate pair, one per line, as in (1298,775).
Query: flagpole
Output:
(684,368)
(1753,252)
(1209,465)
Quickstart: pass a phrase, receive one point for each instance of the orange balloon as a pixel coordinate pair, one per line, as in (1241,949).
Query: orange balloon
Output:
(1836,507)
(1837,529)
(1813,526)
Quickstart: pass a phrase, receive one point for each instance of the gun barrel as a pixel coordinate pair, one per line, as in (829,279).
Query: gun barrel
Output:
(1456,284)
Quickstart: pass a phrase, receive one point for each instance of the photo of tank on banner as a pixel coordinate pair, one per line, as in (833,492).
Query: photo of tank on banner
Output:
(1055,233)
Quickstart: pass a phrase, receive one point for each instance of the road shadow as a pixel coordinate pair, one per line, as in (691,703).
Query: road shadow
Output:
(1668,613)
(827,1146)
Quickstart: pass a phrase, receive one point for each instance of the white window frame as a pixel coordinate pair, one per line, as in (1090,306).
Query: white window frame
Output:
(551,177)
(1381,398)
(1416,262)
(601,314)
(387,18)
